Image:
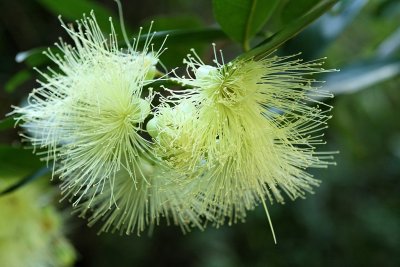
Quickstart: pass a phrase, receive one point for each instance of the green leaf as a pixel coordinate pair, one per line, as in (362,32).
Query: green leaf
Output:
(179,42)
(29,178)
(71,10)
(74,10)
(188,33)
(390,45)
(326,29)
(287,11)
(33,57)
(162,23)
(289,31)
(178,36)
(295,9)
(6,123)
(242,19)
(17,161)
(16,80)
(362,75)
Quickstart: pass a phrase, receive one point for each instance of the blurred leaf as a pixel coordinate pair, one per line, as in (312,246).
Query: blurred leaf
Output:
(71,10)
(390,45)
(242,19)
(388,8)
(17,161)
(326,29)
(362,75)
(6,123)
(288,11)
(180,42)
(333,23)
(74,10)
(16,80)
(195,35)
(182,39)
(294,9)
(30,178)
(33,57)
(289,31)
(161,23)
(188,34)
(162,26)
(24,55)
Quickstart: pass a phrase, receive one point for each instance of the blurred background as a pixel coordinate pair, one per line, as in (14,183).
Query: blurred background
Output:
(353,219)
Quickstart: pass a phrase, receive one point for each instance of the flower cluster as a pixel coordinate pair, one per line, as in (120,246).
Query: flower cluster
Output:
(248,129)
(30,225)
(232,137)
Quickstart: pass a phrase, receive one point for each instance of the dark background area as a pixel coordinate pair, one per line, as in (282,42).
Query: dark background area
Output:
(353,219)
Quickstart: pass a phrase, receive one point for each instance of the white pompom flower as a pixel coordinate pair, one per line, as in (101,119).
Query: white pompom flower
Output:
(31,225)
(158,194)
(252,131)
(88,114)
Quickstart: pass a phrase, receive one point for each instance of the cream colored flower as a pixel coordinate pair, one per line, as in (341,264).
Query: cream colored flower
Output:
(157,193)
(89,114)
(31,230)
(252,131)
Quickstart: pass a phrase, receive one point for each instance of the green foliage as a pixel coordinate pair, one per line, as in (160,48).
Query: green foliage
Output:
(73,10)
(294,9)
(242,19)
(290,30)
(34,57)
(17,161)
(30,178)
(16,80)
(181,34)
(6,123)
(362,75)
(336,21)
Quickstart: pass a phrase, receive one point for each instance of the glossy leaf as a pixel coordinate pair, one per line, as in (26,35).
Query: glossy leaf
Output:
(360,76)
(390,45)
(6,123)
(177,47)
(179,42)
(30,178)
(289,31)
(295,9)
(178,36)
(74,10)
(34,57)
(17,161)
(325,30)
(16,80)
(242,19)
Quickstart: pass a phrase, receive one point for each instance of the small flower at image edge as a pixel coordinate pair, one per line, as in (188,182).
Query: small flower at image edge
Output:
(31,229)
